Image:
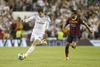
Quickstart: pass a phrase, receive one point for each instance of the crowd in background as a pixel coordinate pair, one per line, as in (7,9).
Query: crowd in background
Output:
(58,10)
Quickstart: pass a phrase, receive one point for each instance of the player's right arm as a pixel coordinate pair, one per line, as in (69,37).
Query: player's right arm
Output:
(30,18)
(64,25)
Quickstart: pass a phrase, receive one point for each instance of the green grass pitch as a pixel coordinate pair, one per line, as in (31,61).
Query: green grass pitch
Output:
(46,56)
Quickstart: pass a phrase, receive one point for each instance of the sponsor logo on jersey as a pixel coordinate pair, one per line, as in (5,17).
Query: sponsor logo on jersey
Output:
(40,22)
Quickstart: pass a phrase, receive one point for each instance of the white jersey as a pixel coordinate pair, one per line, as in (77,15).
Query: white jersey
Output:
(41,24)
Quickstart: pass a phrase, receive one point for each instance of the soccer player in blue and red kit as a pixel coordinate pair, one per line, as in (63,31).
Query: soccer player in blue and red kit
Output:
(74,33)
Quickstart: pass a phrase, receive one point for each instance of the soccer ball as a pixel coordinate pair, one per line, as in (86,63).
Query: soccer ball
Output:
(20,56)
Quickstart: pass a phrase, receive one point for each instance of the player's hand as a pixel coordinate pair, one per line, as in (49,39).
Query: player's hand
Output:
(23,21)
(65,30)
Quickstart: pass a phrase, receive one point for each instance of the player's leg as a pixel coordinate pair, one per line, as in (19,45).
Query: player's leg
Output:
(74,42)
(44,40)
(69,40)
(67,50)
(30,50)
(36,40)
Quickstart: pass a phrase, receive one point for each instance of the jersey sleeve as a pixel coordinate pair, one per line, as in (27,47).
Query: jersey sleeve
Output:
(48,22)
(48,19)
(48,25)
(31,18)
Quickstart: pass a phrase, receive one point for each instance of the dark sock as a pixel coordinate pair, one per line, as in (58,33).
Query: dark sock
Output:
(66,51)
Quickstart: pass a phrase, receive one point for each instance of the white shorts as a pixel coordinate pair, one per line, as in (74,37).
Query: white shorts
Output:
(35,36)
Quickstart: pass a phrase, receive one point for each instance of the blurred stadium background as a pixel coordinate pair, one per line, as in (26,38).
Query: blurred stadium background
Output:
(14,33)
(12,11)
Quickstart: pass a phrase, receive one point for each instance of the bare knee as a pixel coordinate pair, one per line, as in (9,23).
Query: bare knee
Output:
(36,42)
(67,44)
(74,43)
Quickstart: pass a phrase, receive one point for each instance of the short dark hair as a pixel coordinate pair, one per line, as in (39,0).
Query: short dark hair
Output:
(74,11)
(40,9)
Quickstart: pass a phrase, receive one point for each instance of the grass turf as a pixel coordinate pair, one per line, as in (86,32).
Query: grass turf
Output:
(46,56)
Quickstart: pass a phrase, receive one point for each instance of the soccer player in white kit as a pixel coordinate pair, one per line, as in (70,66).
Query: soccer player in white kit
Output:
(41,25)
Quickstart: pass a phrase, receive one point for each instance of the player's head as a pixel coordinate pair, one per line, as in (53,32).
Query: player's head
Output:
(40,11)
(74,15)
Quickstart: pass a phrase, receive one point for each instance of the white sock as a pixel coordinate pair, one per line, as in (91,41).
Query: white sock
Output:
(30,50)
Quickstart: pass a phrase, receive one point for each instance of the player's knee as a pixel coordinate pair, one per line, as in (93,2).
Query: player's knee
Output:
(73,43)
(31,42)
(67,44)
(36,42)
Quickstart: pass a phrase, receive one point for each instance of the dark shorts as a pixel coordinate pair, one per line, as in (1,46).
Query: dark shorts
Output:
(70,39)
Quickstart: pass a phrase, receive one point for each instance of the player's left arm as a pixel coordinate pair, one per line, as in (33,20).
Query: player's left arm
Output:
(87,27)
(92,32)
(47,25)
(48,22)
